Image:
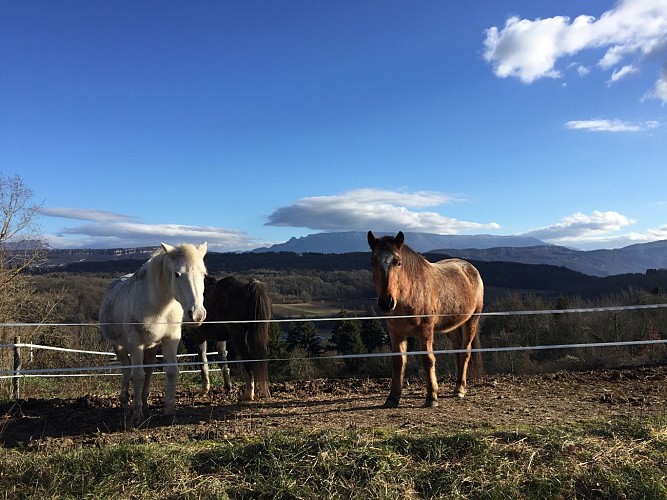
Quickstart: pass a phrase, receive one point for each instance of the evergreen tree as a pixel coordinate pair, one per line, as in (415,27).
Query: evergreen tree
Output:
(346,336)
(304,334)
(372,332)
(277,345)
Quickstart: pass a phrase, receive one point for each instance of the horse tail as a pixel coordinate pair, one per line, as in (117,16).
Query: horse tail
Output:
(257,337)
(476,365)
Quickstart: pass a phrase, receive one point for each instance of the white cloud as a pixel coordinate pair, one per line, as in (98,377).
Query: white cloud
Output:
(659,91)
(82,214)
(583,230)
(529,50)
(601,125)
(583,70)
(525,49)
(379,210)
(656,234)
(108,230)
(628,69)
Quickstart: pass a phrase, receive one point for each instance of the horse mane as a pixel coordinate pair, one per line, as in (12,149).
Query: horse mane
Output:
(153,266)
(414,262)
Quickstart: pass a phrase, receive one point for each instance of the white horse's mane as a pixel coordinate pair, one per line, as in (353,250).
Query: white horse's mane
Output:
(154,265)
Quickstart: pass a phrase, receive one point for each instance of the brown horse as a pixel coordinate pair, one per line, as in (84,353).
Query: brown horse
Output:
(238,310)
(445,296)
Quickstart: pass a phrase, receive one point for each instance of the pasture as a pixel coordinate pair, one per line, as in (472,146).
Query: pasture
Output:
(597,434)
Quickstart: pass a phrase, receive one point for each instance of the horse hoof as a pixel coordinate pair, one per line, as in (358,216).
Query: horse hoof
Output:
(431,403)
(390,403)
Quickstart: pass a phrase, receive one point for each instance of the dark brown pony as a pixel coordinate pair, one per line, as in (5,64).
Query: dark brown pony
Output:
(446,296)
(246,301)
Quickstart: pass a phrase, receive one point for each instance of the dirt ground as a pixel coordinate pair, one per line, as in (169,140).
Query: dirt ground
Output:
(340,404)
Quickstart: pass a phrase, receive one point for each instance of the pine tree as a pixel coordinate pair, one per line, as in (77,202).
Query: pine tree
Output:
(304,334)
(346,336)
(373,334)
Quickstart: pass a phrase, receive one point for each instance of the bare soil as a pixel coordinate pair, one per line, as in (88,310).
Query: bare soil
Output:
(497,401)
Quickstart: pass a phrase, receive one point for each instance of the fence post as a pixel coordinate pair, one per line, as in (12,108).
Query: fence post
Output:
(16,381)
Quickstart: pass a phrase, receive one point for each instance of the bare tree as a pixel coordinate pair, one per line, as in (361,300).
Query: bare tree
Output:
(18,248)
(20,239)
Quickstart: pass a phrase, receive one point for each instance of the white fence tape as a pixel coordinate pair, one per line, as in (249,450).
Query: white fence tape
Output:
(76,371)
(363,318)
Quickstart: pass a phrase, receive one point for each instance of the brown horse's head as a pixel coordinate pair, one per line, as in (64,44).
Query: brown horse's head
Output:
(386,262)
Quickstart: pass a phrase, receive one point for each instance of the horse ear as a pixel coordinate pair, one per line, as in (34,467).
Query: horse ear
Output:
(400,238)
(371,239)
(202,248)
(167,248)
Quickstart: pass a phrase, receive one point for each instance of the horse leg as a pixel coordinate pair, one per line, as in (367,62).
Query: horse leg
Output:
(137,358)
(249,378)
(397,371)
(224,367)
(428,362)
(203,368)
(456,338)
(468,334)
(169,350)
(149,359)
(124,358)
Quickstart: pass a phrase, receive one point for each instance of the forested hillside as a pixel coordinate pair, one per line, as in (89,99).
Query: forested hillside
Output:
(311,275)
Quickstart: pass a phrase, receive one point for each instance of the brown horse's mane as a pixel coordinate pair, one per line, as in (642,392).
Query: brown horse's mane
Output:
(414,262)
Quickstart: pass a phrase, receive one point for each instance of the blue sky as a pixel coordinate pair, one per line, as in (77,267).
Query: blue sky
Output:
(244,123)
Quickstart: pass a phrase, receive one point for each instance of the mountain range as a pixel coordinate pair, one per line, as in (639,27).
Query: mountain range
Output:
(356,241)
(516,249)
(519,249)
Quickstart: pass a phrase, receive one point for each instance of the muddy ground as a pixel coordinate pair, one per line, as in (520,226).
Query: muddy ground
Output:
(339,404)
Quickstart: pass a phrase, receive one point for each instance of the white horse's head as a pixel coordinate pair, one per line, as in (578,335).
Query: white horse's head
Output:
(187,268)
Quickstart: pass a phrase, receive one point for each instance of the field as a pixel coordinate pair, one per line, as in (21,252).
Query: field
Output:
(600,434)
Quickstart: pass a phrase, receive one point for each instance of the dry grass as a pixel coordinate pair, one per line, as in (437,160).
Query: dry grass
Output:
(622,458)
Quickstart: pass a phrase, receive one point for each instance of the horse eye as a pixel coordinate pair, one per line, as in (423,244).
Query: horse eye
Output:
(178,274)
(397,263)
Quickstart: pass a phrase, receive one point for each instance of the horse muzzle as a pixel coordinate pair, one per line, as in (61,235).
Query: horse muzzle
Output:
(196,315)
(387,303)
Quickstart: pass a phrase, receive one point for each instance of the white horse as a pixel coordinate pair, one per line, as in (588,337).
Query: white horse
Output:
(145,309)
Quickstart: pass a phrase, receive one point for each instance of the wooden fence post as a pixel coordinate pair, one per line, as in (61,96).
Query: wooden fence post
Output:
(16,381)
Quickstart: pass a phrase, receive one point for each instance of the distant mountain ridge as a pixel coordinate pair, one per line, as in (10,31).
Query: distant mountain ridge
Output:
(631,259)
(56,258)
(356,241)
(519,249)
(514,249)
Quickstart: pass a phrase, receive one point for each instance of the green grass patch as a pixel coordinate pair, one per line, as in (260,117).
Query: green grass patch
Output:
(621,458)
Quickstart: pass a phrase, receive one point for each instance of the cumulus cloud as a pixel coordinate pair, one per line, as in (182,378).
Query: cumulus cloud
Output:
(529,50)
(659,91)
(379,210)
(581,229)
(109,230)
(601,125)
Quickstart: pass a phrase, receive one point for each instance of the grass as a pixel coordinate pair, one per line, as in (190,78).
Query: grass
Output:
(620,458)
(307,309)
